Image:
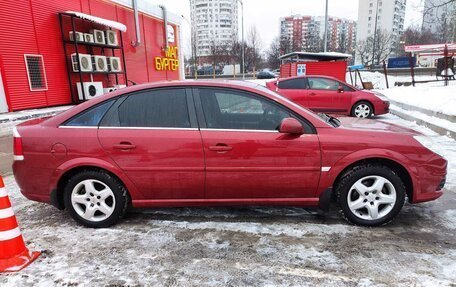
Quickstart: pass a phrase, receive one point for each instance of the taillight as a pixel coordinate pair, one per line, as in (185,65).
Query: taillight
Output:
(17,145)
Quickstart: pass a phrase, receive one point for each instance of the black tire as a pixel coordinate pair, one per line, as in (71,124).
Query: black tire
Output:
(360,104)
(352,176)
(120,193)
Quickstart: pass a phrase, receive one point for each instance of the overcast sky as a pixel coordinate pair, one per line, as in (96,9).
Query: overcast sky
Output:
(265,14)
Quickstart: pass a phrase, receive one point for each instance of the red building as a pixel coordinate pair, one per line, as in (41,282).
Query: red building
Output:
(33,62)
(305,64)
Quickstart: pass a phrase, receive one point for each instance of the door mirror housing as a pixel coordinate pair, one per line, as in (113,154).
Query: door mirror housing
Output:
(340,89)
(291,126)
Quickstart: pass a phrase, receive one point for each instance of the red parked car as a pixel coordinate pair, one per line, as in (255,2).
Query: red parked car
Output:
(218,143)
(329,95)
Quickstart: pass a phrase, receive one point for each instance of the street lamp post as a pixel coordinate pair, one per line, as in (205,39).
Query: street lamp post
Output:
(243,42)
(193,45)
(375,36)
(326,27)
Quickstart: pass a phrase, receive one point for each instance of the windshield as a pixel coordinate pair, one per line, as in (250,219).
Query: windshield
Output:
(316,116)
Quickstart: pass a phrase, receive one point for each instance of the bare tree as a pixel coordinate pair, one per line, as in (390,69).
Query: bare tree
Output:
(443,15)
(218,54)
(273,54)
(254,47)
(374,55)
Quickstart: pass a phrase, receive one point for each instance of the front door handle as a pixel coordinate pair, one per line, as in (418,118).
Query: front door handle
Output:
(220,148)
(124,146)
(312,94)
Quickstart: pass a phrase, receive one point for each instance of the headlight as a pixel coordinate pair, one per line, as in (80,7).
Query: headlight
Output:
(428,143)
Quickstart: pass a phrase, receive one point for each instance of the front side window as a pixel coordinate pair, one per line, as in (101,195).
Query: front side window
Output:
(225,109)
(293,84)
(164,108)
(91,117)
(323,84)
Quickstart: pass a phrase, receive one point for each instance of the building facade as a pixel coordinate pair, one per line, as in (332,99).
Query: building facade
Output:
(439,17)
(214,24)
(386,16)
(305,33)
(36,72)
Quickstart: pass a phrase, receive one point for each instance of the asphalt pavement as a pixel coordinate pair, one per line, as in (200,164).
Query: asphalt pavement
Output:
(6,155)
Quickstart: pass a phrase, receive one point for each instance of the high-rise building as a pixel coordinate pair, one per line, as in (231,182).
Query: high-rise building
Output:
(214,22)
(305,33)
(386,16)
(439,17)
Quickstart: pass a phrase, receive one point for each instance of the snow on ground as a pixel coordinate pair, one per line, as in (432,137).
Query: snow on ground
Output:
(439,99)
(10,120)
(379,81)
(237,247)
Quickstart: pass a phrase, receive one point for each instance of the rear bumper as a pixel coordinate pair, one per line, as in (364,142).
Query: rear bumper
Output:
(33,182)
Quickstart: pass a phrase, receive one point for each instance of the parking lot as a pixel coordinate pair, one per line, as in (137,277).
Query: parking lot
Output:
(238,247)
(256,246)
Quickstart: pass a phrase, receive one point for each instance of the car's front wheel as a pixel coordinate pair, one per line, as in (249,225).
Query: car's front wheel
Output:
(362,110)
(370,195)
(95,198)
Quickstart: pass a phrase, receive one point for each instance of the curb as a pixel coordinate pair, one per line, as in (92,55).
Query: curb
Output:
(424,111)
(435,128)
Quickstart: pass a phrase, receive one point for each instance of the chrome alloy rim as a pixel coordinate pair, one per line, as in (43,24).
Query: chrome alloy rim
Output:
(93,200)
(371,197)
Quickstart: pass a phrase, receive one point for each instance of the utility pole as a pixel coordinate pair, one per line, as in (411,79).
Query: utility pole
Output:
(375,36)
(326,27)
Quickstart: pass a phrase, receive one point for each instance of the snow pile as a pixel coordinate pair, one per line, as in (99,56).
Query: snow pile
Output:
(437,99)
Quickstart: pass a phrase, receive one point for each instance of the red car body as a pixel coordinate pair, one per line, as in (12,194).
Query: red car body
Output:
(338,98)
(163,167)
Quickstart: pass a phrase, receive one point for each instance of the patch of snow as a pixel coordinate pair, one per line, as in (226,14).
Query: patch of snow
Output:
(101,21)
(451,126)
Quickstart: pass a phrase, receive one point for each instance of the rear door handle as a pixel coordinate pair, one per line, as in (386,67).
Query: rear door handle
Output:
(312,94)
(124,146)
(220,148)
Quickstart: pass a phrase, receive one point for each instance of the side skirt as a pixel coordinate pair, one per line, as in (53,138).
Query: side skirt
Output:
(225,202)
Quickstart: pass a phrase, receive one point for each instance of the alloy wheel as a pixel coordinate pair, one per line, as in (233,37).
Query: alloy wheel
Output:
(371,197)
(93,200)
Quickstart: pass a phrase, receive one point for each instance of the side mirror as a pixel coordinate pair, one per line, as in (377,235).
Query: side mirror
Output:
(291,126)
(340,89)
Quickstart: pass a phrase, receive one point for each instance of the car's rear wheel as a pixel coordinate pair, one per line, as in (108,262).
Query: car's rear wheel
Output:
(95,198)
(370,195)
(362,110)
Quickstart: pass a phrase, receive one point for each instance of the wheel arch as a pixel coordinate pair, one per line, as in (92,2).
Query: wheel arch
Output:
(394,165)
(69,169)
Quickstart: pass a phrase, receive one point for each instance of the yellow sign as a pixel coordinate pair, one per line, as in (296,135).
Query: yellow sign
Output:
(169,62)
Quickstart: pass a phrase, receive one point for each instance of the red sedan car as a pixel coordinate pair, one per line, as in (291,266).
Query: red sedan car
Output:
(218,143)
(329,95)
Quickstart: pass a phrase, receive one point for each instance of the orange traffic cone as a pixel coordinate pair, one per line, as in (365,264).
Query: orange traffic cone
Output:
(13,254)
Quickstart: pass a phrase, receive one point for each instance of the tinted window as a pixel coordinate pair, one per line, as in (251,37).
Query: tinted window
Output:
(347,88)
(235,110)
(294,84)
(154,108)
(323,84)
(91,117)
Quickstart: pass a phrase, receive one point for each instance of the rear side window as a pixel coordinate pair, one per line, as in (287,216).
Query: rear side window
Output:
(294,84)
(165,108)
(323,84)
(91,117)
